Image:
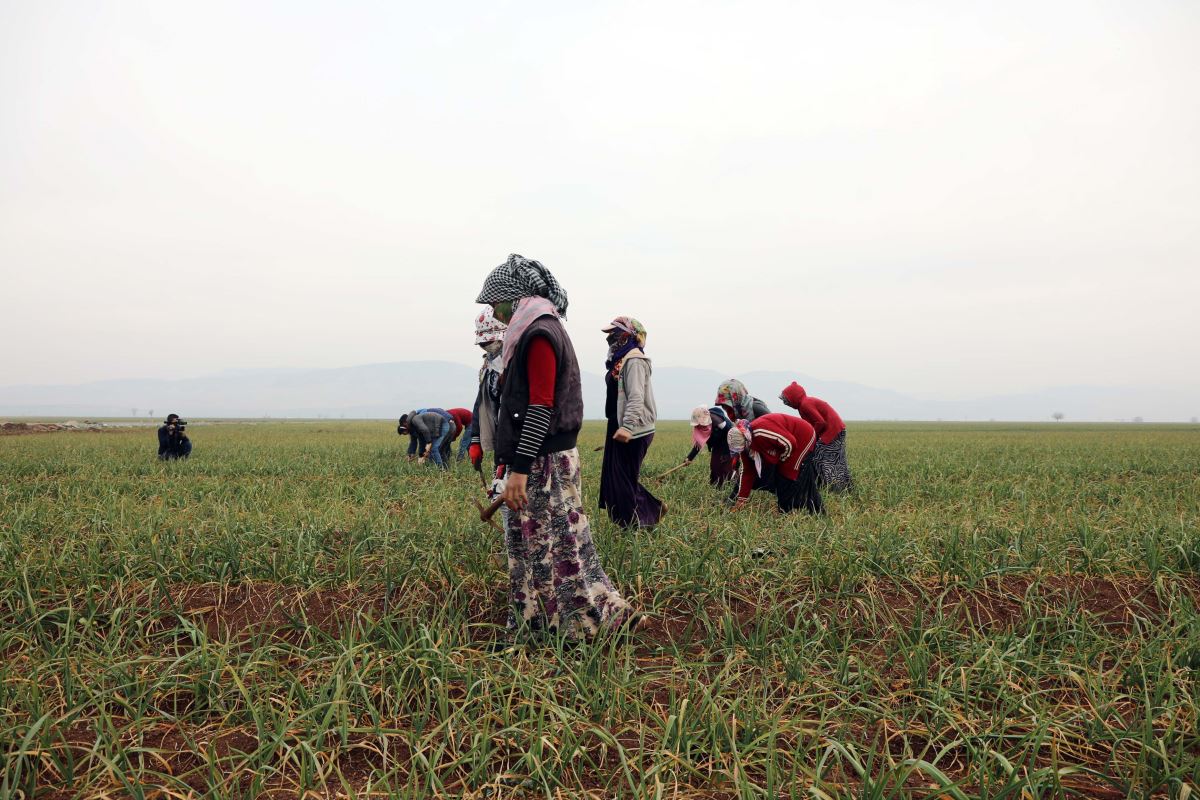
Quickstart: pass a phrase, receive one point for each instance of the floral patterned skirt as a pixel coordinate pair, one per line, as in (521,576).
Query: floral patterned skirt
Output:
(556,581)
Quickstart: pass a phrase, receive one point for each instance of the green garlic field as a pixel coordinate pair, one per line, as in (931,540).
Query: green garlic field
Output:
(998,611)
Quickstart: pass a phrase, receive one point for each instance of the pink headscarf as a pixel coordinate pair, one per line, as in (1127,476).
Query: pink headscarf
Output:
(526,311)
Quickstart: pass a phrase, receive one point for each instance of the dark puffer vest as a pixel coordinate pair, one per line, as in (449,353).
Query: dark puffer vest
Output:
(514,394)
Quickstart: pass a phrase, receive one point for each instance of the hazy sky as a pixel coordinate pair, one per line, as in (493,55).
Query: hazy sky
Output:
(948,199)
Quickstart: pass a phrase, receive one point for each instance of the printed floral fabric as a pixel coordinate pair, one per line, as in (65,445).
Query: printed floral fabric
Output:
(630,326)
(733,393)
(632,336)
(557,583)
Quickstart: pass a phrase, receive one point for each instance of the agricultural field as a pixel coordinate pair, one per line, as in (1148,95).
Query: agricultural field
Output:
(999,611)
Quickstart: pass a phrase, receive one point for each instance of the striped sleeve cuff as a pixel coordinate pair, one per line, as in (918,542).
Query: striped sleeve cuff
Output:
(533,434)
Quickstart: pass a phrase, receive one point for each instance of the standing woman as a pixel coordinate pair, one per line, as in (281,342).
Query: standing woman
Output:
(631,412)
(556,581)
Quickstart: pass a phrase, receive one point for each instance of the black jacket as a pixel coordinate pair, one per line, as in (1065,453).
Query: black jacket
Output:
(567,418)
(173,444)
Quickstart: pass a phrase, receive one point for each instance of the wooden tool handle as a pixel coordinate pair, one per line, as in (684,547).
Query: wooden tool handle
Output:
(491,510)
(672,469)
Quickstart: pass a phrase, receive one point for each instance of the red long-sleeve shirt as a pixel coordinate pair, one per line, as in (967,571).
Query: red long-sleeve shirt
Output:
(542,371)
(816,412)
(778,439)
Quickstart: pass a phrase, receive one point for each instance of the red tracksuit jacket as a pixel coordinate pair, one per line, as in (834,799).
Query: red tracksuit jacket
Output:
(779,439)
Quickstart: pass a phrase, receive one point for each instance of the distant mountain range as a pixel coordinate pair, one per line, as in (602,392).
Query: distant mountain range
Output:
(384,391)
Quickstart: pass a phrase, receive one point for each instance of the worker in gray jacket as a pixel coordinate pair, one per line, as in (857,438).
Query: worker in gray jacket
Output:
(631,412)
(429,429)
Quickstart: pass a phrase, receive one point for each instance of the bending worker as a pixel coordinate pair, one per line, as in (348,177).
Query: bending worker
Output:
(429,429)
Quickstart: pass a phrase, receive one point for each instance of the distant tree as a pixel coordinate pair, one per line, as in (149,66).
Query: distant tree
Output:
(1138,419)
(133,412)
(1195,420)
(1058,415)
(150,413)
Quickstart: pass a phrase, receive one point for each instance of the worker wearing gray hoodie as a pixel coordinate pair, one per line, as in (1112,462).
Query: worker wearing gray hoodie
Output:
(631,412)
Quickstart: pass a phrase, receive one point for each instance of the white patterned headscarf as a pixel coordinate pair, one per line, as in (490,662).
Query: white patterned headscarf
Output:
(488,329)
(521,277)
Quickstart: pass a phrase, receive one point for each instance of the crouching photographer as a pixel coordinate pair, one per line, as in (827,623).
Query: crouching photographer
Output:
(173,442)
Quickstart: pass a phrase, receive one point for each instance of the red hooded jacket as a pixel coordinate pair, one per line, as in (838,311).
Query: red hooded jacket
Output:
(816,412)
(780,439)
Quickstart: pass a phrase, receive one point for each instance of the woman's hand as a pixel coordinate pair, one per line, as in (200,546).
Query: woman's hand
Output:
(623,436)
(515,495)
(740,504)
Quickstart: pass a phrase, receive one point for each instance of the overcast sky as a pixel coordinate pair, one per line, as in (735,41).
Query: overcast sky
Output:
(948,199)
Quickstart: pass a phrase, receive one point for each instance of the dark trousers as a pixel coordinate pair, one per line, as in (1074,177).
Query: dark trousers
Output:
(722,466)
(175,447)
(801,493)
(629,504)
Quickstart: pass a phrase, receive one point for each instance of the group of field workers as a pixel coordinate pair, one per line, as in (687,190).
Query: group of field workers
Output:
(432,433)
(529,411)
(787,455)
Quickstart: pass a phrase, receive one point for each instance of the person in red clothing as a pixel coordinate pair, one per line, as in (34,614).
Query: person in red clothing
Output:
(787,443)
(462,422)
(832,469)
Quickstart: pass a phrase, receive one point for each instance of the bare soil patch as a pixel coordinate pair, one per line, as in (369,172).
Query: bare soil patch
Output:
(233,612)
(1002,602)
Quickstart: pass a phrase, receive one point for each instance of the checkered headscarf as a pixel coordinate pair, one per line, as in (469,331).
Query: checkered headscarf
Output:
(520,277)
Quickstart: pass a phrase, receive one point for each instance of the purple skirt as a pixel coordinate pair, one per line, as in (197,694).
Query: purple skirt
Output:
(629,504)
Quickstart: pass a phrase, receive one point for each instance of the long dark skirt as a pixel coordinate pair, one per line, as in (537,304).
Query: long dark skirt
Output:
(722,466)
(629,504)
(801,493)
(832,470)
